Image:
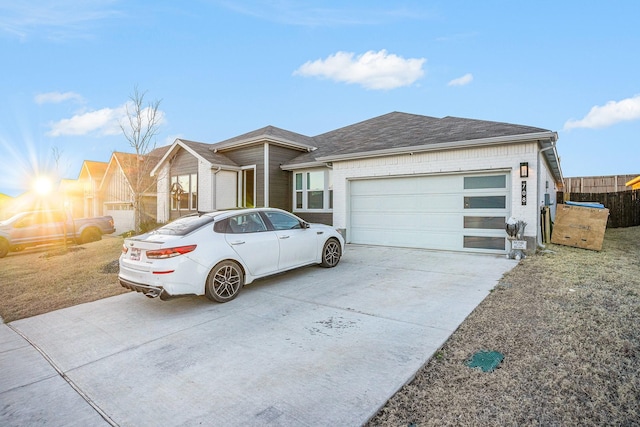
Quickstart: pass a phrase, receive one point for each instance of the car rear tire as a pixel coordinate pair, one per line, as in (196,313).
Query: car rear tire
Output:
(331,253)
(90,235)
(224,281)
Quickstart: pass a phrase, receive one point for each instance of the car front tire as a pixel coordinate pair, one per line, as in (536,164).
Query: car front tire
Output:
(4,248)
(224,281)
(331,253)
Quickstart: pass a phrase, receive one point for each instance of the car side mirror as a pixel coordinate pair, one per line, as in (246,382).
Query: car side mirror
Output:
(305,224)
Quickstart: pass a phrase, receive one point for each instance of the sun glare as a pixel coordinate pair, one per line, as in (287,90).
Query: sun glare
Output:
(42,185)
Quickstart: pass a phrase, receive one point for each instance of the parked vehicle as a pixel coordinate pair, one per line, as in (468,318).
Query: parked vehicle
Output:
(41,227)
(217,253)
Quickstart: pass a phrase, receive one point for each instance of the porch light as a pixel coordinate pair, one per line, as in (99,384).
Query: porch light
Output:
(524,170)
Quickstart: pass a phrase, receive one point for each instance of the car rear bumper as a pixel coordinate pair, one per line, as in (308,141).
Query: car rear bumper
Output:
(147,290)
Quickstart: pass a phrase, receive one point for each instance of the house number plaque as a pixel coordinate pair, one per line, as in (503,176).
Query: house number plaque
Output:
(523,192)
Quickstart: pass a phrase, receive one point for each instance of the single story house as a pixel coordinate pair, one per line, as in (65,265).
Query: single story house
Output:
(399,179)
(125,176)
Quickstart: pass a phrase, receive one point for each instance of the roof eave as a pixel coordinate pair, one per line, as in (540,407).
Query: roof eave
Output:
(305,165)
(263,139)
(547,135)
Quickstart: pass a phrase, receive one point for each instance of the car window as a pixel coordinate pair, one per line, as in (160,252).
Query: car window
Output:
(246,223)
(283,221)
(184,225)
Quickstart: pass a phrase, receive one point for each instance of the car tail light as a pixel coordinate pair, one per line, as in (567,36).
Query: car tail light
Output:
(170,252)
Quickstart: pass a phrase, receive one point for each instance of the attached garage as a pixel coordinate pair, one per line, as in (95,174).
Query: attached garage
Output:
(457,212)
(122,214)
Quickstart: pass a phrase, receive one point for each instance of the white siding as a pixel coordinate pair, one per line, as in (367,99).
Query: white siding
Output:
(163,194)
(205,186)
(226,189)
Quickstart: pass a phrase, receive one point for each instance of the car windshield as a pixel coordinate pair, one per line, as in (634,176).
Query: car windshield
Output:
(12,219)
(184,225)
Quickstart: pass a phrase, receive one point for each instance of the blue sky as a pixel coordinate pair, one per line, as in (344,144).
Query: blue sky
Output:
(225,67)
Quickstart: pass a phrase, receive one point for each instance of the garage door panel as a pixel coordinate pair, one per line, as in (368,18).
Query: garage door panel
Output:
(401,203)
(408,221)
(429,212)
(408,185)
(410,238)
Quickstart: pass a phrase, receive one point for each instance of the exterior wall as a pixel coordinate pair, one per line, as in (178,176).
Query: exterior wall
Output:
(206,187)
(505,157)
(280,182)
(163,205)
(317,217)
(226,189)
(117,189)
(252,156)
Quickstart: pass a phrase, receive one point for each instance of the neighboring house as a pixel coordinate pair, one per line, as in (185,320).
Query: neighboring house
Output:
(127,174)
(395,180)
(634,183)
(90,177)
(70,197)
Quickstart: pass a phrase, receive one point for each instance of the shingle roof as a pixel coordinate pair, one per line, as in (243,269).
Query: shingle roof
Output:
(267,133)
(96,169)
(398,130)
(205,151)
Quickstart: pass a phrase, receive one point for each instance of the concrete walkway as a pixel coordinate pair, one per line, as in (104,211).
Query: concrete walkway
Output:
(310,347)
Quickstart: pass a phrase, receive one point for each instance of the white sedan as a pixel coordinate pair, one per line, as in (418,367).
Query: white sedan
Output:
(216,253)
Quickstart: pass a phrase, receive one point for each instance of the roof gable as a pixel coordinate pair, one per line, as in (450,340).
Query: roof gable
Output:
(199,150)
(269,134)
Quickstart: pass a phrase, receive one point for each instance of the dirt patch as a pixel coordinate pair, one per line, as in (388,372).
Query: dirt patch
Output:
(112,267)
(566,321)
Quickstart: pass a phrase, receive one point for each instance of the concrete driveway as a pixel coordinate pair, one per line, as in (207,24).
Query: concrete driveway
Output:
(310,347)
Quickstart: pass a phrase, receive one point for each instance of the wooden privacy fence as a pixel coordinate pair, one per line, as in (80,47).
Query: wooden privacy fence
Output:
(624,206)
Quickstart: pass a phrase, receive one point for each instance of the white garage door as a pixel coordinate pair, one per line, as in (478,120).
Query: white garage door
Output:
(447,212)
(122,219)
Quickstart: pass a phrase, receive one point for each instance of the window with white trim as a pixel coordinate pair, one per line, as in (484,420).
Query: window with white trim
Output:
(184,192)
(313,190)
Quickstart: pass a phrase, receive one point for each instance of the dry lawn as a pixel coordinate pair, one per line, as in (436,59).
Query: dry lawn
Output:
(568,323)
(46,278)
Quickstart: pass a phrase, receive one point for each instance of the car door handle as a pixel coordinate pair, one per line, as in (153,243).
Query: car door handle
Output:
(284,237)
(319,232)
(238,242)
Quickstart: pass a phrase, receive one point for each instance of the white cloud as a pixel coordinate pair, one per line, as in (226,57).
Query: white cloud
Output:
(372,70)
(58,19)
(608,114)
(57,97)
(461,81)
(103,122)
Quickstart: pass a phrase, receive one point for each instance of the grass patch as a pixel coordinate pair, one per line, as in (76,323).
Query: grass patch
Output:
(567,321)
(47,278)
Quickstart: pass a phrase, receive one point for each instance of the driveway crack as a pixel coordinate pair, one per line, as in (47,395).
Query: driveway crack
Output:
(64,376)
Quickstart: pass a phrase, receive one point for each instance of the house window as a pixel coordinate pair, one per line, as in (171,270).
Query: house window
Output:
(184,192)
(313,190)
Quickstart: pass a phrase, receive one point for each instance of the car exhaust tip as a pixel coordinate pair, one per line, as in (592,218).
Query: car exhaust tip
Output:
(153,293)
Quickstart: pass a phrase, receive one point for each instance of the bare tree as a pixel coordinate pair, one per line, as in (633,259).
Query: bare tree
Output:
(140,127)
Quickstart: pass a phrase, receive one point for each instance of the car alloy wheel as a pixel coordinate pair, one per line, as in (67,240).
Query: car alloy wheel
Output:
(331,253)
(224,282)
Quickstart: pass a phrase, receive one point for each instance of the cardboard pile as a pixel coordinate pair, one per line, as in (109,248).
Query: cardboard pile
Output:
(580,226)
